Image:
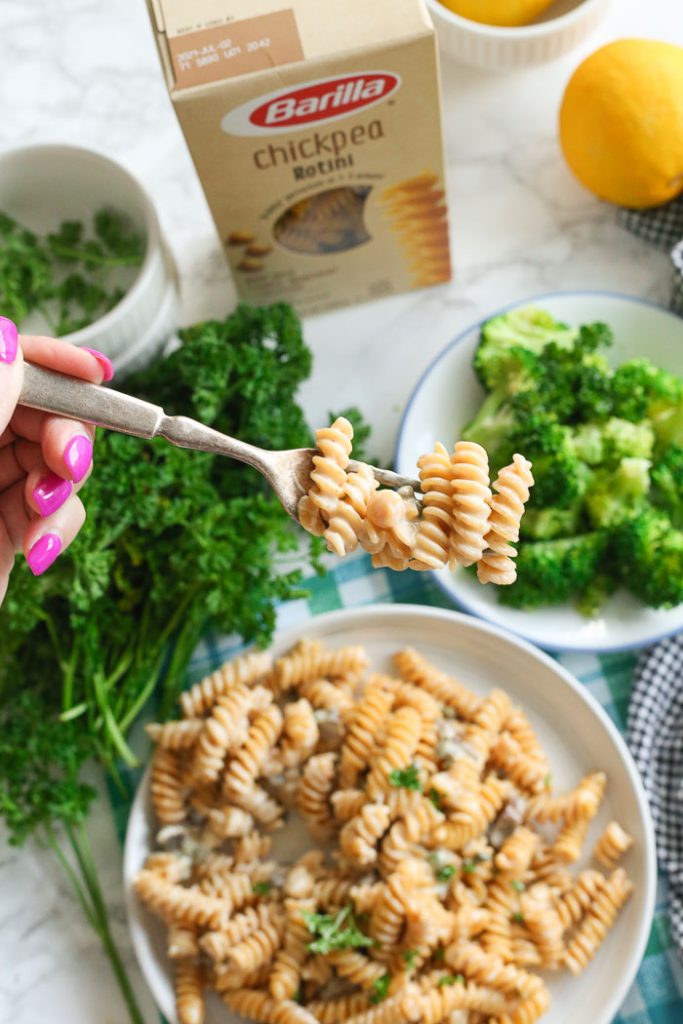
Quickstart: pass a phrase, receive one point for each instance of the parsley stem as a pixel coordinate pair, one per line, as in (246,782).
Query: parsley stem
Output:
(111,726)
(92,258)
(80,844)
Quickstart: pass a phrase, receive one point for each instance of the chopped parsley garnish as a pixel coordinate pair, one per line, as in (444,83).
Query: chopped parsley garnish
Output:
(450,979)
(261,888)
(518,918)
(335,931)
(439,953)
(435,797)
(468,866)
(517,885)
(406,778)
(445,873)
(380,988)
(410,956)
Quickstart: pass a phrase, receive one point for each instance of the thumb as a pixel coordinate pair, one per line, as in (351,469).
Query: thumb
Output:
(11,371)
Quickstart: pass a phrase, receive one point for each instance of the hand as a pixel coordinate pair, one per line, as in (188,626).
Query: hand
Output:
(44,460)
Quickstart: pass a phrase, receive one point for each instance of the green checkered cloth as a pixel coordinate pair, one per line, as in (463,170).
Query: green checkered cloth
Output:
(656,997)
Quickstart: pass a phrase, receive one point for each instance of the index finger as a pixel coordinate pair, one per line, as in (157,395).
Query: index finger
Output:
(63,357)
(11,372)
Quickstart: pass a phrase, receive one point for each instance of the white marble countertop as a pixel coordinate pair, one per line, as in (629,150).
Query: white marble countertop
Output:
(86,72)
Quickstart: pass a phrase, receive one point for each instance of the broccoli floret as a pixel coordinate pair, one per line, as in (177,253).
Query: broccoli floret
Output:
(492,424)
(615,494)
(667,483)
(594,595)
(596,443)
(576,383)
(554,570)
(529,328)
(548,523)
(649,552)
(641,390)
(560,475)
(624,439)
(588,443)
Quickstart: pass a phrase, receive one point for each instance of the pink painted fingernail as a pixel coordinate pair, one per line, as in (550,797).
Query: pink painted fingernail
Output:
(50,493)
(9,340)
(44,552)
(78,456)
(104,361)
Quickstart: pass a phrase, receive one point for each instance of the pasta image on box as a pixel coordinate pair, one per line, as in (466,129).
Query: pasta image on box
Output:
(317,139)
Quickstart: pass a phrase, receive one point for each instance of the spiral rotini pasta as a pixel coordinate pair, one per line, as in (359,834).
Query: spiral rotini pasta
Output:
(168,795)
(196,701)
(456,521)
(329,473)
(612,845)
(449,884)
(189,991)
(507,507)
(471,496)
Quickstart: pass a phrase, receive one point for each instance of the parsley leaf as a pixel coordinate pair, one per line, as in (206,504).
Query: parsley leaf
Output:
(410,956)
(69,279)
(406,778)
(439,953)
(517,917)
(445,873)
(435,797)
(335,931)
(380,988)
(450,979)
(517,885)
(262,888)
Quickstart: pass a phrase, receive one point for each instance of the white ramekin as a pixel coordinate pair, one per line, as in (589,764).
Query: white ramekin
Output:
(44,184)
(493,48)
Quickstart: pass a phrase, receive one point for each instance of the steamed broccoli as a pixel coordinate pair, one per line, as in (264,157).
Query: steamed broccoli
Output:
(615,494)
(548,523)
(607,454)
(667,483)
(560,475)
(649,551)
(576,382)
(642,390)
(530,328)
(552,571)
(516,371)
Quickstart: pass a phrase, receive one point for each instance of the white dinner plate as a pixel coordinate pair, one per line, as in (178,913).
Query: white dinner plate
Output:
(446,398)
(574,730)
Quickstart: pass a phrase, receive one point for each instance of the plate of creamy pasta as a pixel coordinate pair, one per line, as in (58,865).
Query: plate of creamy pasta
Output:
(396,814)
(588,386)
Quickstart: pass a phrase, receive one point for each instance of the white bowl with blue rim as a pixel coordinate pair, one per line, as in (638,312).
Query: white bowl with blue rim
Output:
(447,396)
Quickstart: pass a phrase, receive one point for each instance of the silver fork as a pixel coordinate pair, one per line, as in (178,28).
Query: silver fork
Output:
(287,472)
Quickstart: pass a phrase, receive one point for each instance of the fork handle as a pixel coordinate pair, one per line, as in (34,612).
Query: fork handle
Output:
(77,399)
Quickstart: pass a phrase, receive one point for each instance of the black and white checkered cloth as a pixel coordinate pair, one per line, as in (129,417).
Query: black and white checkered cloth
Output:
(662,226)
(655,736)
(655,716)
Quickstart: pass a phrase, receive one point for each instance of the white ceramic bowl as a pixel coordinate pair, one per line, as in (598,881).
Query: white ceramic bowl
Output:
(446,398)
(573,728)
(494,48)
(43,185)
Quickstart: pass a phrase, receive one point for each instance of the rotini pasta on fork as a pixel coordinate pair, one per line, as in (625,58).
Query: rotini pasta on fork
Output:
(438,878)
(458,521)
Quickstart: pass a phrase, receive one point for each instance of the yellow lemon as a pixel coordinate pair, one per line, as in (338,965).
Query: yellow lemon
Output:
(498,12)
(621,122)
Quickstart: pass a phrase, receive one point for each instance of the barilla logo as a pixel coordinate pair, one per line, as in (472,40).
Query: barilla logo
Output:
(311,103)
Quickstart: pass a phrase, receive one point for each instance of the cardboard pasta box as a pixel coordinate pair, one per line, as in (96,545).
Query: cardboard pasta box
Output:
(315,129)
